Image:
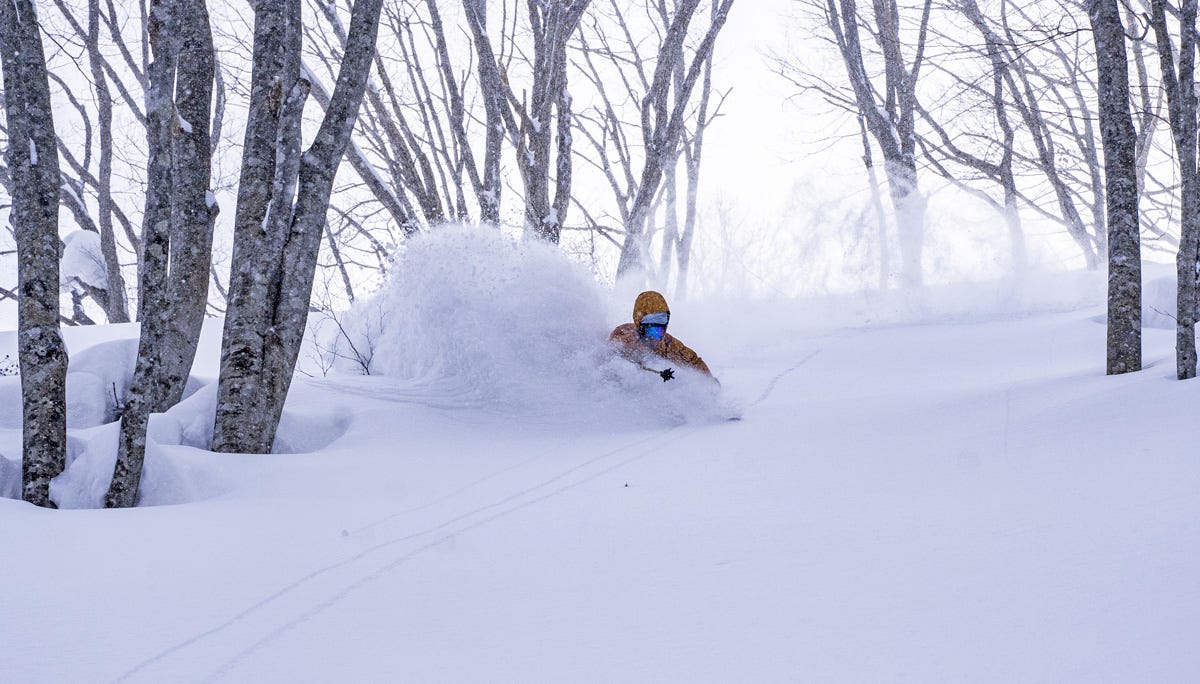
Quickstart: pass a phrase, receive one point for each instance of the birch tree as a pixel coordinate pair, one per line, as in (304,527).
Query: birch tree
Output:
(662,85)
(177,227)
(283,197)
(32,160)
(538,120)
(1121,189)
(1179,82)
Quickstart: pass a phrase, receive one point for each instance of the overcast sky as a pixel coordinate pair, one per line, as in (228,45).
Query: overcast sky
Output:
(768,139)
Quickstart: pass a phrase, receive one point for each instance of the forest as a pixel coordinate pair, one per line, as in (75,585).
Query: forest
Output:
(582,124)
(295,249)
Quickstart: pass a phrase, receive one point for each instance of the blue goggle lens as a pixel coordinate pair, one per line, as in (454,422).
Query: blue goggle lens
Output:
(653,332)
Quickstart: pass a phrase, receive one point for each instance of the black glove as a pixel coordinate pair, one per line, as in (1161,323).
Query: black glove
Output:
(667,374)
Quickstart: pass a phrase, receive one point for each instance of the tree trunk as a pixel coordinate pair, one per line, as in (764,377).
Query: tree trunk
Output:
(266,317)
(662,130)
(693,154)
(183,211)
(275,72)
(1120,173)
(33,163)
(885,266)
(909,206)
(496,113)
(553,24)
(116,306)
(1181,103)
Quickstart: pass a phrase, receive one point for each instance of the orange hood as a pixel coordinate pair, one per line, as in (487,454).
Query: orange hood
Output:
(648,303)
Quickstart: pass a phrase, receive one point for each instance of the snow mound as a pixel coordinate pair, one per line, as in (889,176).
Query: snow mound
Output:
(1159,302)
(167,478)
(303,431)
(97,381)
(82,259)
(178,467)
(515,328)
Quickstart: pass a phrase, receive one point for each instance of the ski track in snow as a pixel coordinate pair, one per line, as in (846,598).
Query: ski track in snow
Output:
(356,578)
(506,506)
(779,376)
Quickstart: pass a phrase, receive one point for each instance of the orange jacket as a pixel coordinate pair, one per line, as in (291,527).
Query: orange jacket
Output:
(630,344)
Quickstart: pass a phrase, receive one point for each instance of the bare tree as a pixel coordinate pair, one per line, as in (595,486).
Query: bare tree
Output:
(116,306)
(889,117)
(416,148)
(663,113)
(33,162)
(90,114)
(177,233)
(995,160)
(385,128)
(496,113)
(282,205)
(1120,174)
(1180,86)
(693,153)
(539,121)
(1007,117)
(654,72)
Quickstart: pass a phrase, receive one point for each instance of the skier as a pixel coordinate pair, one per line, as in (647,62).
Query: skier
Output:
(647,336)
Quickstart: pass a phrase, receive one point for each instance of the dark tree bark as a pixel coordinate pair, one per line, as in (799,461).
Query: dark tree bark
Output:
(1181,103)
(33,163)
(275,253)
(180,211)
(1121,189)
(275,75)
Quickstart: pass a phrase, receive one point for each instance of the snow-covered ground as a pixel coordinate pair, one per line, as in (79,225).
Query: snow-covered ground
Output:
(951,492)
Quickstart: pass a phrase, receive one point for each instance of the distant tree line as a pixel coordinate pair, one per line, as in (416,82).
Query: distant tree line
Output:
(1080,112)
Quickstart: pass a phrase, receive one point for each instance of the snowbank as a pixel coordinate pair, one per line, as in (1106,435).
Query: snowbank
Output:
(102,360)
(98,380)
(92,455)
(82,259)
(1159,296)
(951,502)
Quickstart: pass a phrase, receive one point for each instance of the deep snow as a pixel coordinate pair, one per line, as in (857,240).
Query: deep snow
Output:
(949,492)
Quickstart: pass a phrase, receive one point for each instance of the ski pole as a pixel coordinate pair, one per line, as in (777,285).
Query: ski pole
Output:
(666,375)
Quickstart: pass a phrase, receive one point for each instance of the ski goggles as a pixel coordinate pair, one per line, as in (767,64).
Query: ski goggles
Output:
(654,326)
(653,331)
